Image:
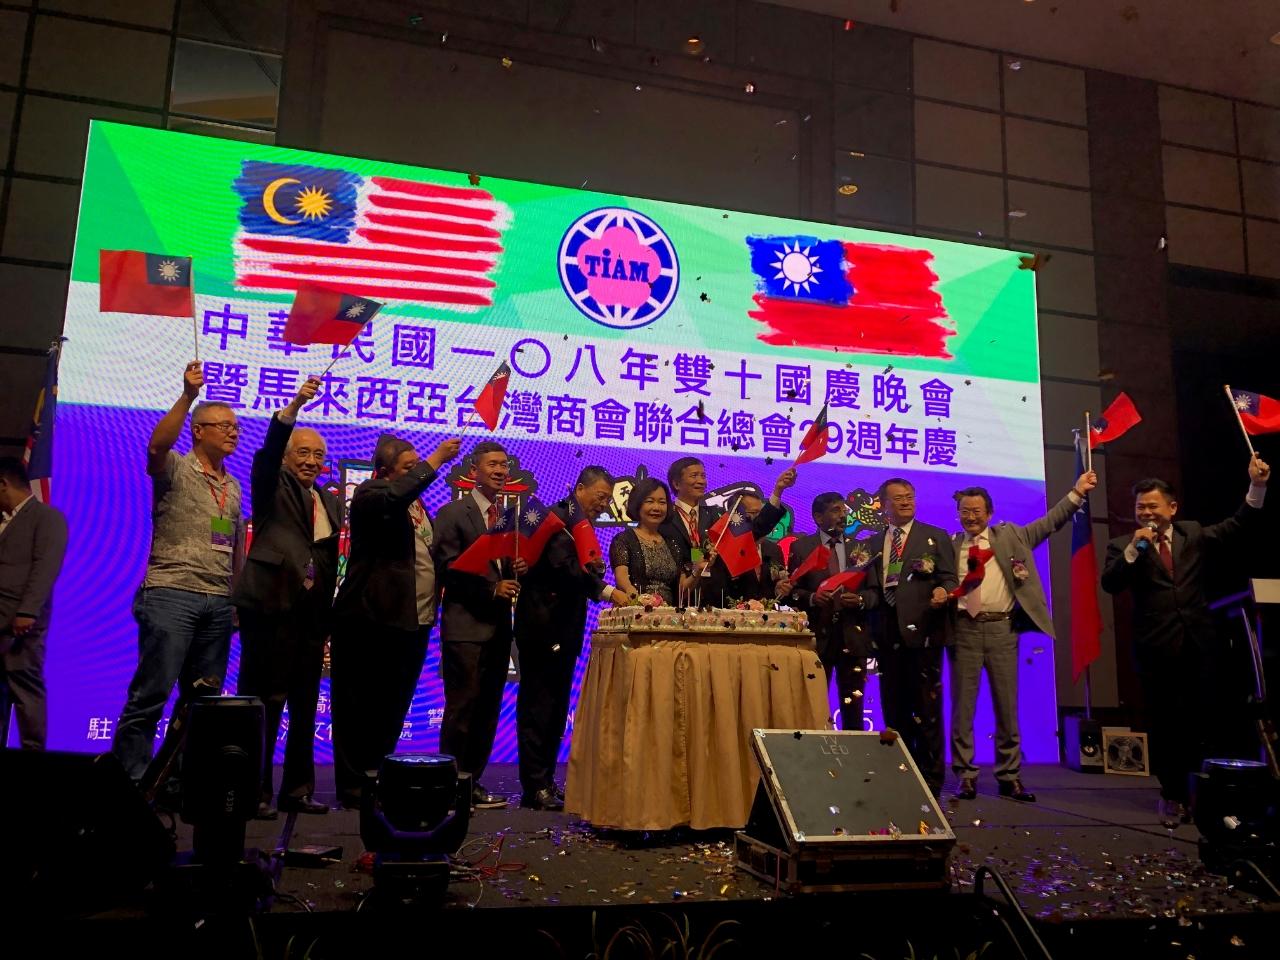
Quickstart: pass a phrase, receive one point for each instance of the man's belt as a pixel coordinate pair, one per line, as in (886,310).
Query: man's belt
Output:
(986,617)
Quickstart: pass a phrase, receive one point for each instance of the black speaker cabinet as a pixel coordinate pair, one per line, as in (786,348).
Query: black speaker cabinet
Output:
(842,810)
(1082,744)
(75,833)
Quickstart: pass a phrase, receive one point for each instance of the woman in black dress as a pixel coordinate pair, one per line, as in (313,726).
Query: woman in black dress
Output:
(643,560)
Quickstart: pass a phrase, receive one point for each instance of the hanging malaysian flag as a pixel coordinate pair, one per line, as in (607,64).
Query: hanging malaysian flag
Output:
(378,237)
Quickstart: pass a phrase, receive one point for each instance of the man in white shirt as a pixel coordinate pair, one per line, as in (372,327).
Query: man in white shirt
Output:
(999,597)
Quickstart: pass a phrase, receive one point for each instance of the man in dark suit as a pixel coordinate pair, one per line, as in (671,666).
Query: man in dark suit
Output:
(33,539)
(475,629)
(1164,565)
(384,611)
(691,520)
(551,619)
(843,644)
(284,596)
(913,575)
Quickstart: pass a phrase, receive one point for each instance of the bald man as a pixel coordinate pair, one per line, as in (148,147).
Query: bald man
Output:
(284,597)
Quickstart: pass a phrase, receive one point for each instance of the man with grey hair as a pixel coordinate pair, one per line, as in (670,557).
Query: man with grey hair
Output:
(183,607)
(284,597)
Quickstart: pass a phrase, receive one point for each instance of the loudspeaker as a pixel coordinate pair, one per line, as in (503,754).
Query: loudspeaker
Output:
(77,834)
(1082,744)
(842,810)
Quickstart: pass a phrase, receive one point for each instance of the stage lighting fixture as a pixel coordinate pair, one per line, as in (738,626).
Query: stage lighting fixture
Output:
(414,814)
(1236,808)
(222,775)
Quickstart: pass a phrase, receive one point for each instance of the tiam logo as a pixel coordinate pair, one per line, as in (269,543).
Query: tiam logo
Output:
(619,268)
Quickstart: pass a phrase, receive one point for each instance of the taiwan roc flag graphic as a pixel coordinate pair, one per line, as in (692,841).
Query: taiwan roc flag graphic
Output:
(149,283)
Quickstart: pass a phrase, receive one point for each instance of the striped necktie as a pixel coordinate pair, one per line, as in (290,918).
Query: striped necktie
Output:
(895,556)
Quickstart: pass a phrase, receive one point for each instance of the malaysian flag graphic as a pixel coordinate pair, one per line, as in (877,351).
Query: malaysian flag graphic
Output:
(378,237)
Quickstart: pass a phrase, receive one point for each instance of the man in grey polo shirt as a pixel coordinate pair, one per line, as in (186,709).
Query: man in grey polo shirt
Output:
(183,608)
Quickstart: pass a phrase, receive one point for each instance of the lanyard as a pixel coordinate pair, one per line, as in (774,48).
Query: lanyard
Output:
(691,522)
(213,482)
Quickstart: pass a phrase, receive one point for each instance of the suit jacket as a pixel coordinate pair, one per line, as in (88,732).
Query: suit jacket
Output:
(381,583)
(470,613)
(31,550)
(1011,542)
(836,629)
(719,583)
(271,580)
(555,592)
(918,623)
(1170,611)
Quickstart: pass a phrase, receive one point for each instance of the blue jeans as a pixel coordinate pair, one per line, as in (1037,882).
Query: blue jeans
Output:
(182,636)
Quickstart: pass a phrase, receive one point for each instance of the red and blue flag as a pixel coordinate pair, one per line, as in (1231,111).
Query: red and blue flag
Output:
(1086,615)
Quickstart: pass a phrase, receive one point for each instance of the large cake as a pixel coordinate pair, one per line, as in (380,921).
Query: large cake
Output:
(707,620)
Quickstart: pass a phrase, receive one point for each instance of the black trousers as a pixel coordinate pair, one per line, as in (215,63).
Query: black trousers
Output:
(22,690)
(281,658)
(1190,714)
(474,675)
(548,658)
(911,698)
(373,673)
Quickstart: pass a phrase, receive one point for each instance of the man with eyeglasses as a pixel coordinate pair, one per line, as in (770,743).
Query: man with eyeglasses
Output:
(999,597)
(914,574)
(284,597)
(183,608)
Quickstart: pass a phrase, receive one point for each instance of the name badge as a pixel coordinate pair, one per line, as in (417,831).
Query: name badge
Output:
(894,573)
(309,577)
(222,534)
(696,554)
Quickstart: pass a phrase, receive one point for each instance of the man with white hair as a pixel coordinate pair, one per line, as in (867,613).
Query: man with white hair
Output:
(284,597)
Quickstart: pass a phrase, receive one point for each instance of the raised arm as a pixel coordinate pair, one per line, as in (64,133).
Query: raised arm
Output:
(167,431)
(1040,530)
(403,490)
(1249,511)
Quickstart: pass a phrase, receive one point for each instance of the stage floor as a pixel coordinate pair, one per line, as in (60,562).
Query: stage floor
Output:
(1092,847)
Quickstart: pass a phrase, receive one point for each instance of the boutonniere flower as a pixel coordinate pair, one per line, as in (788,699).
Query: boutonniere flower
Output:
(925,564)
(859,557)
(1019,568)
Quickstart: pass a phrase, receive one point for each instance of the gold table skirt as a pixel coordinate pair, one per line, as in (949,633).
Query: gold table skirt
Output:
(661,735)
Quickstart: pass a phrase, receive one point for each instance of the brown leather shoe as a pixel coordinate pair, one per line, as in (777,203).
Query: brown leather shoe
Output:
(967,789)
(1014,790)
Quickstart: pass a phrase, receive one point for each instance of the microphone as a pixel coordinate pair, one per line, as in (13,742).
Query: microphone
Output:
(1142,545)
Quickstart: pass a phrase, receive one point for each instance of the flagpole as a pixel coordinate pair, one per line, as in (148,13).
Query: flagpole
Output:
(1088,693)
(195,310)
(715,547)
(1088,445)
(337,357)
(1236,410)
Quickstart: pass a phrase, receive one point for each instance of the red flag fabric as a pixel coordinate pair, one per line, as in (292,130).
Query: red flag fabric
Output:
(849,580)
(735,542)
(818,559)
(1086,615)
(489,403)
(324,315)
(1259,414)
(130,281)
(584,538)
(494,544)
(814,444)
(1117,420)
(537,526)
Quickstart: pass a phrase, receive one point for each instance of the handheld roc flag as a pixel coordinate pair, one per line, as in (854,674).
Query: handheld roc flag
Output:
(324,315)
(584,536)
(1117,420)
(537,526)
(496,543)
(1086,616)
(489,403)
(1258,414)
(149,283)
(735,542)
(818,559)
(814,444)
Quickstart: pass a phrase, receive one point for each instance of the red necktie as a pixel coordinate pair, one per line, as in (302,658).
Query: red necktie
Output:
(493,515)
(691,521)
(1166,555)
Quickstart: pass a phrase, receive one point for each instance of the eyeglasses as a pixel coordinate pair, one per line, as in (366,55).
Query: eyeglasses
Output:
(226,426)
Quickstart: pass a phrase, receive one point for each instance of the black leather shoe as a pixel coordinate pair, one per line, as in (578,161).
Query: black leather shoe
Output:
(544,799)
(302,805)
(482,799)
(266,811)
(967,789)
(1014,790)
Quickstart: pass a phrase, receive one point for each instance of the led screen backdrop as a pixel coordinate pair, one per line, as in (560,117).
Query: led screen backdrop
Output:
(637,331)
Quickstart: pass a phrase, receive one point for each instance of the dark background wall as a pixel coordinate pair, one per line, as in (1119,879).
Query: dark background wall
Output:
(1158,206)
